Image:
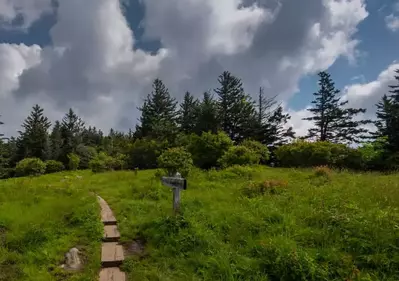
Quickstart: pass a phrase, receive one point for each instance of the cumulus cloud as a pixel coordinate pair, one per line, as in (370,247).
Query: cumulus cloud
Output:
(20,14)
(392,20)
(92,66)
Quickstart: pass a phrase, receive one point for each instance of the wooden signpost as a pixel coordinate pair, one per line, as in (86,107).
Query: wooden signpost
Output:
(177,184)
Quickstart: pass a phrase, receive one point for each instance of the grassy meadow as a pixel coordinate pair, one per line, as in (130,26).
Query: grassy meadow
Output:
(242,223)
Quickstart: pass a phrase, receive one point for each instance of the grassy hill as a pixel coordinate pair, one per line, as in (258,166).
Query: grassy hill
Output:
(239,224)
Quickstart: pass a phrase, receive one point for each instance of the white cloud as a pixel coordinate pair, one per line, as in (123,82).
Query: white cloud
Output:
(92,66)
(26,11)
(392,22)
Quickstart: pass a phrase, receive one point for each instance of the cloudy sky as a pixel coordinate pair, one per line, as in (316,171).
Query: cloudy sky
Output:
(100,56)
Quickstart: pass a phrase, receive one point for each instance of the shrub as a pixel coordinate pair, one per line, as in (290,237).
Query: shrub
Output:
(118,162)
(101,163)
(73,161)
(30,167)
(258,148)
(322,171)
(208,148)
(143,153)
(239,155)
(310,154)
(176,160)
(255,189)
(53,166)
(86,154)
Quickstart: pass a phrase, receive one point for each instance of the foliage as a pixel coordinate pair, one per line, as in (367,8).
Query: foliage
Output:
(258,148)
(255,189)
(188,114)
(208,148)
(74,160)
(239,155)
(143,153)
(176,160)
(71,131)
(322,171)
(207,115)
(332,120)
(86,154)
(30,167)
(310,154)
(53,166)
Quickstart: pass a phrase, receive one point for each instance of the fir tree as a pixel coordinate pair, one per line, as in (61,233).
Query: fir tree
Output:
(236,110)
(1,135)
(56,141)
(72,127)
(188,114)
(332,120)
(158,114)
(207,115)
(33,140)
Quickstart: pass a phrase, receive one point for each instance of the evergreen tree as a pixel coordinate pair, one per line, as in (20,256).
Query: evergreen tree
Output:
(332,121)
(271,123)
(158,114)
(387,122)
(236,110)
(72,127)
(188,114)
(1,135)
(33,141)
(56,141)
(207,115)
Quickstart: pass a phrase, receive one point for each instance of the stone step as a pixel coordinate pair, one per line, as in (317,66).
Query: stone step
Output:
(112,274)
(111,233)
(111,254)
(107,216)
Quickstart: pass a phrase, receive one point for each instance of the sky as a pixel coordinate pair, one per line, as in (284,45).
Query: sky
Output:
(100,57)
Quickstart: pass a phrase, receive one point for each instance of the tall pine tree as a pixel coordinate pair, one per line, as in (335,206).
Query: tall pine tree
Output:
(387,122)
(56,141)
(207,115)
(332,120)
(33,140)
(158,114)
(72,128)
(236,110)
(188,114)
(1,135)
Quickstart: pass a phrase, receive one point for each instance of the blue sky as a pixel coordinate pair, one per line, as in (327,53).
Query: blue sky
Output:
(190,62)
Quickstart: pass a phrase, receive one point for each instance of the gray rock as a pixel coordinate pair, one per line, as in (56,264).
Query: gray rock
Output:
(72,260)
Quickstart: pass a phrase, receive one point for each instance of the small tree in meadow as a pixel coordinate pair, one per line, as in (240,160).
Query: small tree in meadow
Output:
(176,160)
(73,162)
(30,167)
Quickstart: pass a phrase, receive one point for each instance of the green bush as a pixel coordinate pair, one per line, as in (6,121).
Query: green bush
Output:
(86,154)
(73,161)
(239,155)
(259,148)
(208,148)
(53,166)
(143,153)
(311,154)
(118,162)
(101,163)
(176,160)
(30,167)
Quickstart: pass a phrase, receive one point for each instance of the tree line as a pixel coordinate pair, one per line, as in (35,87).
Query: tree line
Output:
(165,123)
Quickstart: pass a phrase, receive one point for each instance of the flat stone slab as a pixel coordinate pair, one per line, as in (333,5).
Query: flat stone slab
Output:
(111,254)
(112,274)
(107,216)
(111,233)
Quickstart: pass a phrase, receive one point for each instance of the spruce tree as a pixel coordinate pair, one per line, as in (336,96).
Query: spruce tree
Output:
(236,110)
(332,120)
(33,140)
(207,115)
(1,135)
(72,127)
(387,122)
(188,114)
(56,141)
(158,114)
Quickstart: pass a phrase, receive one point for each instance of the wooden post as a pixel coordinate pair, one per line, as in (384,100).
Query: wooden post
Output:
(177,184)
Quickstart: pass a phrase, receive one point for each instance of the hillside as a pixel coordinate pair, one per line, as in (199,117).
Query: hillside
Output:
(238,224)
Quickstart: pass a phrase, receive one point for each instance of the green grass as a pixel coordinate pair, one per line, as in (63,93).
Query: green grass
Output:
(40,220)
(239,224)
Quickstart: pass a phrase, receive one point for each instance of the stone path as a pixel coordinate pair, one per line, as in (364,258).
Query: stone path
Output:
(111,252)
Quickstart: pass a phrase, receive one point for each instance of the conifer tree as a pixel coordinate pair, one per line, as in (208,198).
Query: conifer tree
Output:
(158,114)
(1,135)
(188,114)
(33,140)
(56,141)
(72,127)
(207,115)
(332,120)
(236,110)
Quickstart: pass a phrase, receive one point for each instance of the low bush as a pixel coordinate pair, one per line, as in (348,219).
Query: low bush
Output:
(322,171)
(239,155)
(176,160)
(86,154)
(73,161)
(53,166)
(258,148)
(255,189)
(30,167)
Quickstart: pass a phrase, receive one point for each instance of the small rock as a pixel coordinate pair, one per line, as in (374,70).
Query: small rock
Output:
(72,260)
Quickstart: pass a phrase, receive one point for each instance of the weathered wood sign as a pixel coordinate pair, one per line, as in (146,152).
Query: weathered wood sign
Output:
(177,184)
